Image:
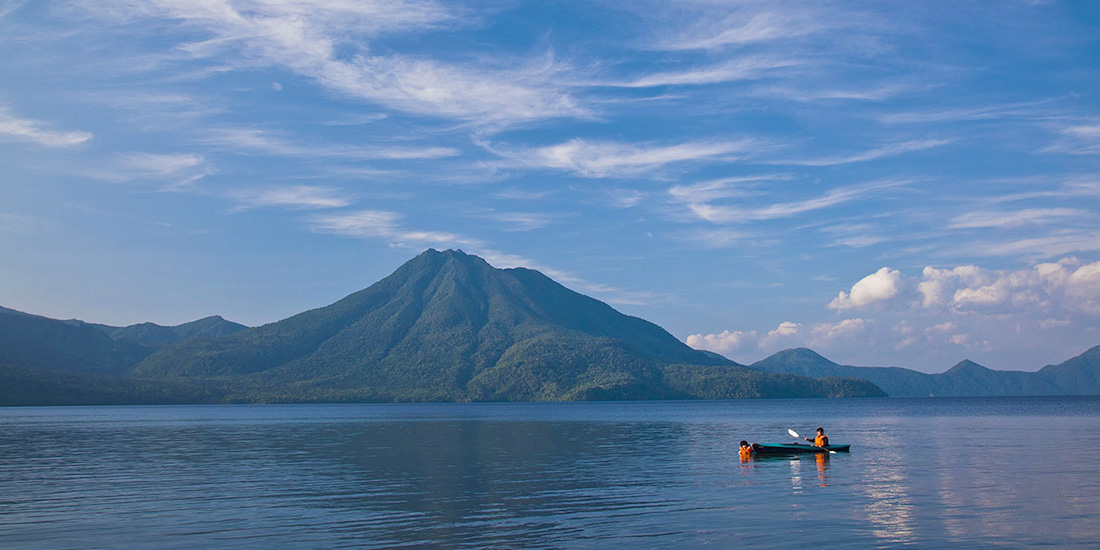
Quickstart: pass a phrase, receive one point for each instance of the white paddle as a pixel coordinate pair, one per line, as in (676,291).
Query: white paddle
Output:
(795,435)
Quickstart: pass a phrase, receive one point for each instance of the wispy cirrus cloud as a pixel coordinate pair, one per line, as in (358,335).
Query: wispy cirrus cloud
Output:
(833,197)
(599,159)
(1085,131)
(740,69)
(312,39)
(1019,218)
(296,197)
(743,28)
(855,235)
(254,140)
(152,164)
(171,171)
(723,188)
(9,7)
(834,93)
(1057,243)
(524,221)
(384,225)
(1026,110)
(625,198)
(35,131)
(1077,138)
(892,150)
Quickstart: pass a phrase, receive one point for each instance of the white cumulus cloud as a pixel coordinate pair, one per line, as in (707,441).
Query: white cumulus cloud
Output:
(723,342)
(786,328)
(1050,288)
(876,287)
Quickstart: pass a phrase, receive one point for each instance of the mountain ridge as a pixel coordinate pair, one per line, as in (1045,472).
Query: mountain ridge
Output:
(447,326)
(154,335)
(1079,375)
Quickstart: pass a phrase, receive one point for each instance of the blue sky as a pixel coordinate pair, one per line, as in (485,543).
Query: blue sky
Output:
(903,184)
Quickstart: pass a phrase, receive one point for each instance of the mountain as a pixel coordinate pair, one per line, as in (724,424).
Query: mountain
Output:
(1081,373)
(447,326)
(38,342)
(1077,376)
(154,335)
(46,361)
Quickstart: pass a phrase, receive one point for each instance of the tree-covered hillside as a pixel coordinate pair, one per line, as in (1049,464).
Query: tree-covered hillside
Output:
(445,326)
(448,326)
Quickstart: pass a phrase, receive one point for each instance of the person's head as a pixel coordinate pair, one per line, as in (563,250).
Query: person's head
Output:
(744,443)
(820,431)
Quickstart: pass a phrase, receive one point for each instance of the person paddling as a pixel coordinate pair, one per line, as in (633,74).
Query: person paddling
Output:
(821,440)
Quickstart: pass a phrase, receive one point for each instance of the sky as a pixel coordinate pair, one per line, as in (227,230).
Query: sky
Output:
(889,183)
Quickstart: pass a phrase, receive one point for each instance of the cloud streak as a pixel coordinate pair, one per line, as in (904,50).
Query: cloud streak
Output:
(600,159)
(34,131)
(384,225)
(1020,218)
(297,197)
(741,29)
(834,197)
(253,140)
(741,69)
(869,155)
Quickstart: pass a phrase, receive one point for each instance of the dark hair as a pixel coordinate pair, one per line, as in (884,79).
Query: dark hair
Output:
(743,443)
(822,430)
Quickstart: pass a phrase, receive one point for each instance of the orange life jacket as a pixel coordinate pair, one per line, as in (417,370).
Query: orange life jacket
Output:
(821,441)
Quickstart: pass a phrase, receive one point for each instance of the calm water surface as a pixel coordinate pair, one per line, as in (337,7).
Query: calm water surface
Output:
(923,473)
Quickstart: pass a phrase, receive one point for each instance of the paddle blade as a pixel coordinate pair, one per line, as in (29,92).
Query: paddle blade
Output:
(793,433)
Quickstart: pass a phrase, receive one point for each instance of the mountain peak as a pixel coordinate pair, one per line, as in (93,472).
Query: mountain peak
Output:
(967,365)
(450,253)
(447,325)
(802,352)
(797,361)
(800,355)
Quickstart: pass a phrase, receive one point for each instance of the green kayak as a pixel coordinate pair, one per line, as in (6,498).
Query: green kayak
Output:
(793,448)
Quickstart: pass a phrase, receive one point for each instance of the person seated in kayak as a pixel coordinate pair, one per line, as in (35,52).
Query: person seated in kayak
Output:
(746,450)
(821,440)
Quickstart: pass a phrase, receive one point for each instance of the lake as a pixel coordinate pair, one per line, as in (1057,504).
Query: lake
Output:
(928,473)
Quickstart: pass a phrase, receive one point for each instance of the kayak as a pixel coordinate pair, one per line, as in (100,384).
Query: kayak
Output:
(792,448)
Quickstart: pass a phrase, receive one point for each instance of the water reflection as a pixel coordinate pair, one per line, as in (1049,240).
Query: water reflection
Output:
(889,509)
(796,473)
(822,460)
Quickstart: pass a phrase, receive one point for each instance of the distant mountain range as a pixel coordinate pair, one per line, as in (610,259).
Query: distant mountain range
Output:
(1077,376)
(153,335)
(445,326)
